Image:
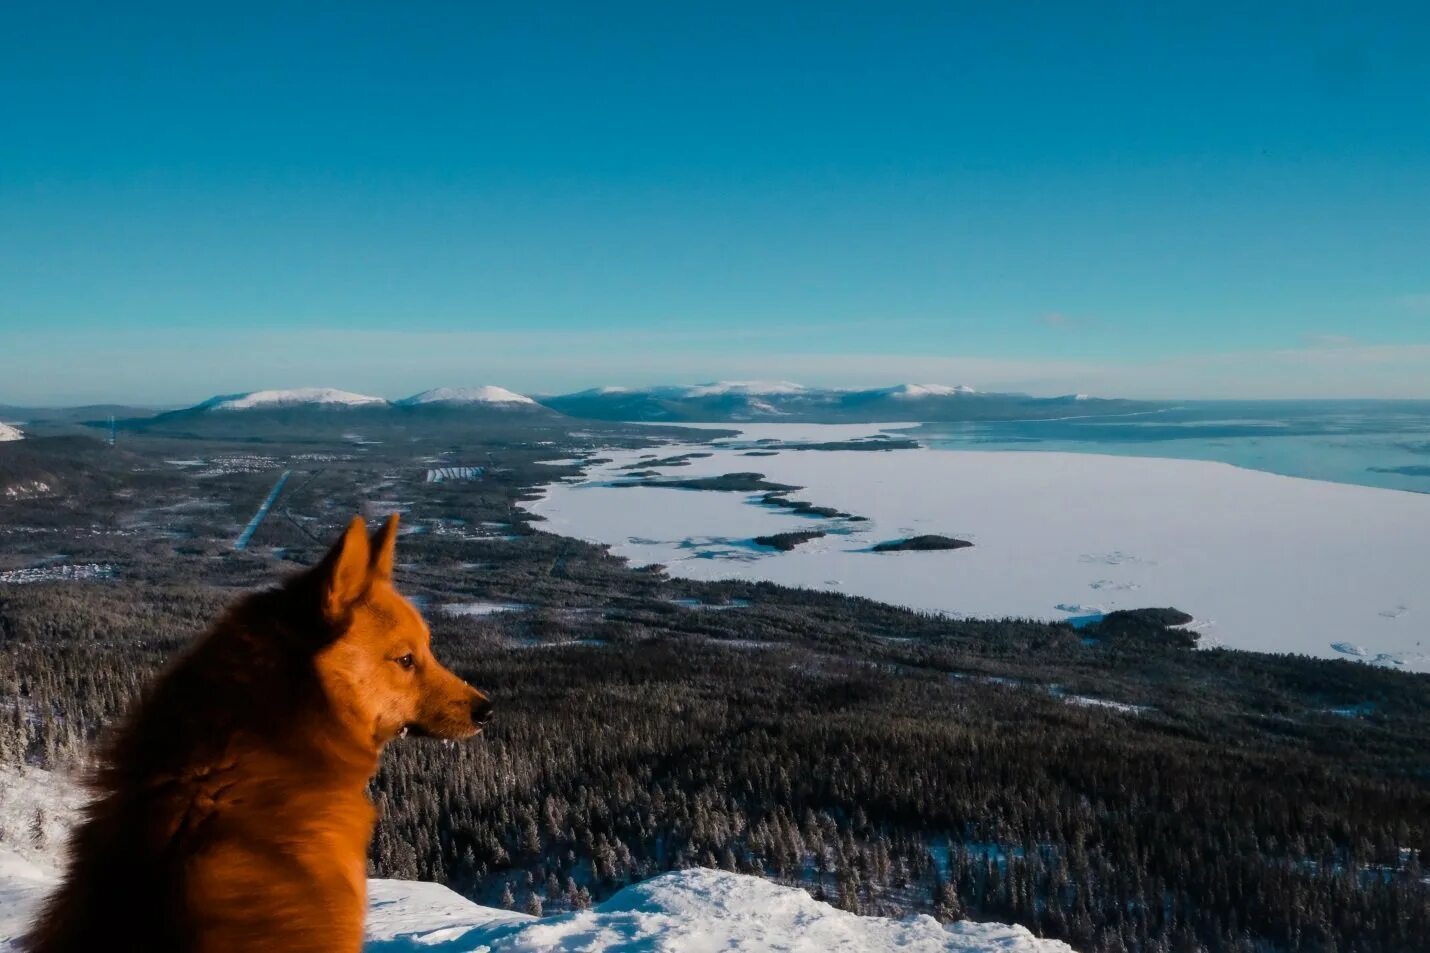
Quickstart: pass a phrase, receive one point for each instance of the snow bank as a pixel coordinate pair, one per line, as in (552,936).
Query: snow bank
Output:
(22,886)
(36,810)
(689,911)
(1264,562)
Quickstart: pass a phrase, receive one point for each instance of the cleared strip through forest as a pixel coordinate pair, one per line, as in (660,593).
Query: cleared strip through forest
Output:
(253,524)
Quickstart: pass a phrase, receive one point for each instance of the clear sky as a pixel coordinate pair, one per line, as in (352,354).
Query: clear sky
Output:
(1182,200)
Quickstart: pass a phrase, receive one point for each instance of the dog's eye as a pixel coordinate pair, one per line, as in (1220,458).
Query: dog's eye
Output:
(407,661)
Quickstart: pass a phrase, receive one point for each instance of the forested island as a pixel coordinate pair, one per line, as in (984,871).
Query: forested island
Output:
(926,543)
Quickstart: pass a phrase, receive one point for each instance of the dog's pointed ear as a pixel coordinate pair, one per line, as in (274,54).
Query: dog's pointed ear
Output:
(384,542)
(343,573)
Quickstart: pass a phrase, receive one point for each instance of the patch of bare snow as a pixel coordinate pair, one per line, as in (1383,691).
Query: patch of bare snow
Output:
(481,608)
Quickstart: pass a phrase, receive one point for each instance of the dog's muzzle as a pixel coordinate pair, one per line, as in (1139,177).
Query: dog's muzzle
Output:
(481,712)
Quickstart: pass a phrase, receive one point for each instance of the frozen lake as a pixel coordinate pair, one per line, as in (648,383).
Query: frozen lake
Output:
(1263,561)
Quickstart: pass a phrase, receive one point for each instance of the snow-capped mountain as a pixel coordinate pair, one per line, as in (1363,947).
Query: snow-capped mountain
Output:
(919,391)
(8,432)
(684,911)
(326,397)
(487,394)
(315,409)
(785,401)
(485,403)
(715,402)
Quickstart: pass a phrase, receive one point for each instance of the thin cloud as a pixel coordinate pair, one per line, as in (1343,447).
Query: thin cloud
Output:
(1329,340)
(394,364)
(1413,302)
(1065,322)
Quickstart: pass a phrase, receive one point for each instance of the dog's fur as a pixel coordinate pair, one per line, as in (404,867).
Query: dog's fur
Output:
(231,812)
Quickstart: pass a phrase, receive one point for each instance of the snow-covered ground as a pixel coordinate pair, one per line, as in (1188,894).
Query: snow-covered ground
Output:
(1263,562)
(688,911)
(481,608)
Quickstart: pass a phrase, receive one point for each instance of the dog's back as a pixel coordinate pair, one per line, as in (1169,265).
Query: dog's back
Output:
(204,808)
(230,811)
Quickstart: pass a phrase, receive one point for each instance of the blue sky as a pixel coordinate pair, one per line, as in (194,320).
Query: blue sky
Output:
(1193,200)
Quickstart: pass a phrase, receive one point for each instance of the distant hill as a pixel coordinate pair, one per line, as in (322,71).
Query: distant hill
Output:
(783,401)
(324,398)
(68,465)
(58,421)
(322,409)
(473,403)
(303,411)
(487,396)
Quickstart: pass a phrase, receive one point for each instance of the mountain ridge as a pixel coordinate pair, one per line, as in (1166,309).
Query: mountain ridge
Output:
(736,401)
(786,401)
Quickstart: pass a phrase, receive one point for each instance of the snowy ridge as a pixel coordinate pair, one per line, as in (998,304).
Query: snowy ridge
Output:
(743,388)
(916,391)
(297,396)
(8,432)
(467,395)
(687,911)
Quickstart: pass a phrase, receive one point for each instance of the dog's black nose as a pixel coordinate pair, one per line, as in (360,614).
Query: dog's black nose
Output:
(481,711)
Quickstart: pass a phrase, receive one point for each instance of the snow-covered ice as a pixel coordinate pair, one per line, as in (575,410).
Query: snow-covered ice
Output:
(1263,561)
(688,911)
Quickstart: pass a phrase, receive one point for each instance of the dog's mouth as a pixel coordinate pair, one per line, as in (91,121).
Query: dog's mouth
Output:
(415,730)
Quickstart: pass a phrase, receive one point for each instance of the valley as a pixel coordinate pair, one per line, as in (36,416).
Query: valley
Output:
(886,759)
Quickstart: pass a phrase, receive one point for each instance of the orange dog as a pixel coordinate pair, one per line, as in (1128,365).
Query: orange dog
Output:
(231,813)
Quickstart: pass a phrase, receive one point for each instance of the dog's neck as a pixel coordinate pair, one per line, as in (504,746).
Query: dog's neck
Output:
(240,696)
